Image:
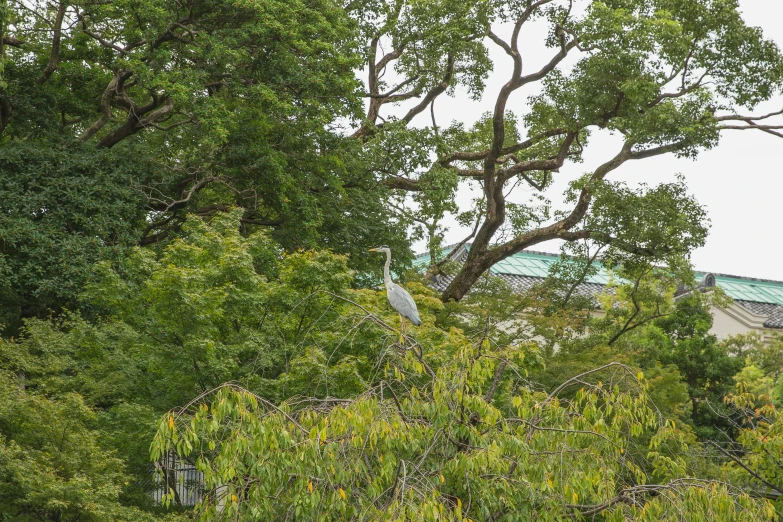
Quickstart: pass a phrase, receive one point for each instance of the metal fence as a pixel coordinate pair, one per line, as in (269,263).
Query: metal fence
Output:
(173,473)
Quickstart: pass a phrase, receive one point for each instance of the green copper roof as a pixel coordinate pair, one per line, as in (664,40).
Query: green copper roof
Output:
(525,263)
(747,289)
(538,264)
(534,264)
(423,260)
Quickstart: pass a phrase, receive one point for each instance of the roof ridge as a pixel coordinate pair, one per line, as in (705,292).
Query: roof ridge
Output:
(743,278)
(447,248)
(538,252)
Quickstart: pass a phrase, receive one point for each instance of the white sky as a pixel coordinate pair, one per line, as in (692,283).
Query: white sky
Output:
(740,182)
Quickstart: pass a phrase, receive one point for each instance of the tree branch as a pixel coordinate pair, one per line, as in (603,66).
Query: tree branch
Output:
(540,164)
(479,155)
(752,123)
(769,129)
(682,92)
(402,183)
(182,202)
(388,95)
(561,229)
(738,117)
(480,259)
(495,380)
(610,240)
(500,42)
(109,45)
(565,47)
(434,92)
(105,105)
(746,468)
(54,57)
(158,109)
(13,42)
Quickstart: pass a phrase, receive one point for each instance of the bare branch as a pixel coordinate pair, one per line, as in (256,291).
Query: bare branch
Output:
(456,249)
(500,42)
(565,47)
(402,183)
(13,42)
(105,105)
(476,156)
(737,117)
(180,203)
(54,57)
(388,58)
(389,93)
(769,129)
(524,17)
(434,92)
(540,164)
(682,92)
(158,109)
(105,43)
(746,468)
(752,123)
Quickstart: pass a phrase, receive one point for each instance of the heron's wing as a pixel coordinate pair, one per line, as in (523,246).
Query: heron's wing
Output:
(401,300)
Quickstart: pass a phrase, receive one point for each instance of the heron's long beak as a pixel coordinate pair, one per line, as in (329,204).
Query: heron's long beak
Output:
(373,250)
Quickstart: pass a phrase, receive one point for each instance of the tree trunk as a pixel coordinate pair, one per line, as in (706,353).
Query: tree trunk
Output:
(475,265)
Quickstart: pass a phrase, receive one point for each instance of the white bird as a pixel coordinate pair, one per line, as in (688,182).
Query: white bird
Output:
(399,298)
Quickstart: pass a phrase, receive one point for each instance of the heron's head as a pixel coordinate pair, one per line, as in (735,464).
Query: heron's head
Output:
(382,248)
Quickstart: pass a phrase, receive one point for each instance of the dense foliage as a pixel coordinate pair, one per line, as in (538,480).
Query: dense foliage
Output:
(328,416)
(63,209)
(189,324)
(143,114)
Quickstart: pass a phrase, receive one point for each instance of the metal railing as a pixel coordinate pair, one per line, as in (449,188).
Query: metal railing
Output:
(173,473)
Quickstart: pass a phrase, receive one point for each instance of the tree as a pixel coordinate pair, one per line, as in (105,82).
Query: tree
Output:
(440,450)
(219,306)
(330,436)
(159,67)
(52,464)
(317,376)
(212,306)
(249,108)
(754,459)
(668,76)
(706,365)
(62,209)
(173,110)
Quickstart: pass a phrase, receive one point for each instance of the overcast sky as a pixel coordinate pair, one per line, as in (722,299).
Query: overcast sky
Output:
(740,182)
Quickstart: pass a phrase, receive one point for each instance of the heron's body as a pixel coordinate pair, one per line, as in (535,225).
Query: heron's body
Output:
(398,297)
(402,301)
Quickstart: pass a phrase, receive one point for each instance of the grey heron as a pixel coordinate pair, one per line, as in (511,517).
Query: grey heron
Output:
(398,297)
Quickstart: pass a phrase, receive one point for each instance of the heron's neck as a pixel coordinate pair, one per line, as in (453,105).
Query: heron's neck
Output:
(386,278)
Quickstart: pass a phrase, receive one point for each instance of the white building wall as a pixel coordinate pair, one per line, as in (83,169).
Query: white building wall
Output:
(737,319)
